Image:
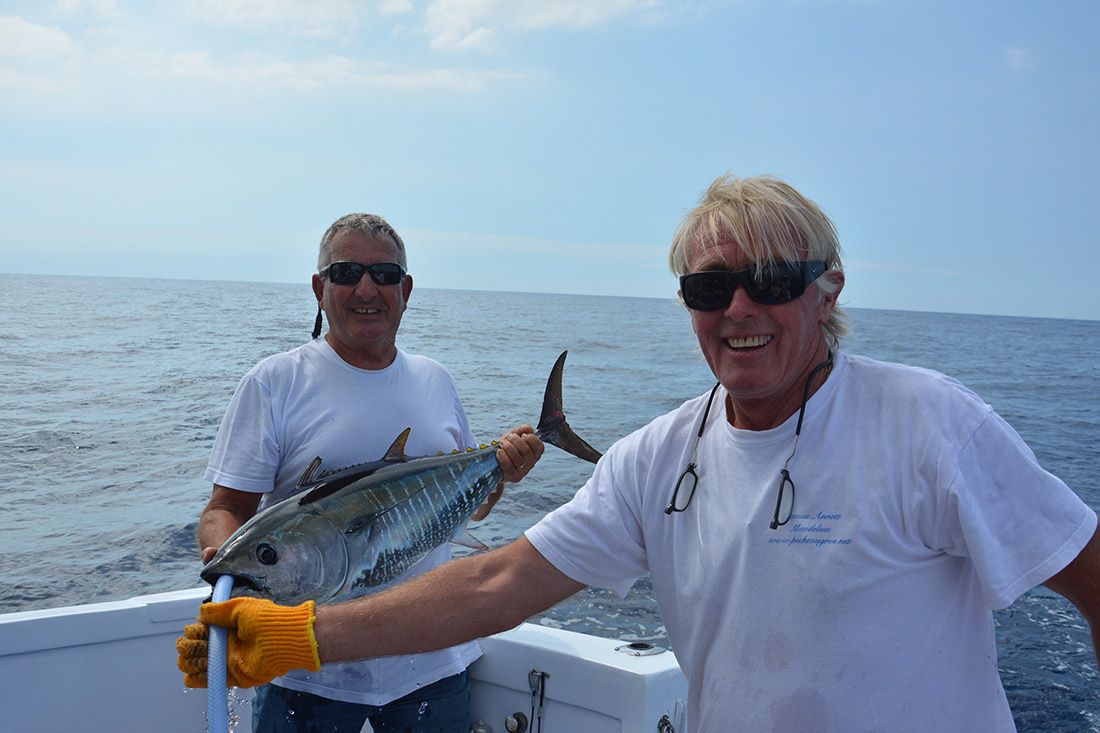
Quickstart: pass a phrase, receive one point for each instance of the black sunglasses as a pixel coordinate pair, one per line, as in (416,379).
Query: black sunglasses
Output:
(781,282)
(349,273)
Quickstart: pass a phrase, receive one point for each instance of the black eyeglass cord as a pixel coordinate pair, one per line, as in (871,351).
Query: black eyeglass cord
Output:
(317,323)
(784,474)
(695,455)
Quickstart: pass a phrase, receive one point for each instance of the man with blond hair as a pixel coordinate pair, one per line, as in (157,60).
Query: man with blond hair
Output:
(827,534)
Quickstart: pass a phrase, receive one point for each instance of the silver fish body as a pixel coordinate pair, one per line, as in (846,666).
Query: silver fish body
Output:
(353,530)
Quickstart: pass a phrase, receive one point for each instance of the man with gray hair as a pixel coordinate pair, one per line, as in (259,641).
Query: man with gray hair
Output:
(345,397)
(827,534)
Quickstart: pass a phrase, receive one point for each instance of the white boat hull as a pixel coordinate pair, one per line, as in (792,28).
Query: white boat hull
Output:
(112,666)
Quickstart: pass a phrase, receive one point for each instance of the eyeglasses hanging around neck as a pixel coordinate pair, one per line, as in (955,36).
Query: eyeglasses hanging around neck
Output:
(689,474)
(689,479)
(785,479)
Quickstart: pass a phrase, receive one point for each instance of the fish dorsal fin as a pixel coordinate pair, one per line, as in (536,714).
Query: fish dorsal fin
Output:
(336,478)
(395,454)
(396,451)
(309,473)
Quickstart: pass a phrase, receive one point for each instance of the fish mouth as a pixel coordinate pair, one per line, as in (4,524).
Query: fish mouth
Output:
(242,584)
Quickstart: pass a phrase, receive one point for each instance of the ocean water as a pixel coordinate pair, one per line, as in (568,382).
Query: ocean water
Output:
(113,390)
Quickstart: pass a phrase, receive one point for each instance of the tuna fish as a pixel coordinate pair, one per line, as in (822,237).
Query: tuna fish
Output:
(352,530)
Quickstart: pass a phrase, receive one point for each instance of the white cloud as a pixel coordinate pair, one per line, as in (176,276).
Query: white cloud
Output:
(14,80)
(452,24)
(475,24)
(105,62)
(22,39)
(317,17)
(529,14)
(100,7)
(96,61)
(394,7)
(329,72)
(1019,58)
(460,38)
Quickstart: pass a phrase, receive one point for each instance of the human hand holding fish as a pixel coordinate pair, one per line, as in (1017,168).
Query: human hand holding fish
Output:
(266,641)
(518,451)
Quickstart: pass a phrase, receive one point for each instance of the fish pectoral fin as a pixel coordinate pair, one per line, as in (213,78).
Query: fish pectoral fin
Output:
(465,539)
(359,523)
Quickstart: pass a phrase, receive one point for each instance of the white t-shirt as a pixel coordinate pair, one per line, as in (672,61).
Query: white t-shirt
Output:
(308,402)
(917,510)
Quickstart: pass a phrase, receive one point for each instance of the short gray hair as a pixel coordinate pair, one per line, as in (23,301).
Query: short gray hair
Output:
(769,220)
(371,225)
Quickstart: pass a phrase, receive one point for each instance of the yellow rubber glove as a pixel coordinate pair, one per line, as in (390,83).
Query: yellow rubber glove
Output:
(265,641)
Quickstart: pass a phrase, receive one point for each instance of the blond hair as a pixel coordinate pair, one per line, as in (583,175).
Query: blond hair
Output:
(769,221)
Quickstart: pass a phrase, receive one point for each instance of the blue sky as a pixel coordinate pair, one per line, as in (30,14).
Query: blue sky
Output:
(553,146)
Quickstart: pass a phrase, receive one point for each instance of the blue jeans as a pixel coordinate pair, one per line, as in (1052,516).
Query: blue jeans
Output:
(441,707)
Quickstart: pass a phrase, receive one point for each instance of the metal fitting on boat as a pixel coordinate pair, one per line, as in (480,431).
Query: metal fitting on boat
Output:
(640,649)
(516,723)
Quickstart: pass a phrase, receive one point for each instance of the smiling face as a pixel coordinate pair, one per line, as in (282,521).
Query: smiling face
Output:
(363,318)
(762,354)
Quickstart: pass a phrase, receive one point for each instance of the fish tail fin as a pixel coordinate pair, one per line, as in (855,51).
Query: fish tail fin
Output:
(553,428)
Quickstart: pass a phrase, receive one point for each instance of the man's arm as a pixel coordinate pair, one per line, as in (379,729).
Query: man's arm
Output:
(226,511)
(1080,583)
(458,601)
(462,600)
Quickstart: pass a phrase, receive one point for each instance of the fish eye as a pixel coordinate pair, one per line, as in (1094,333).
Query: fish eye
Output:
(267,554)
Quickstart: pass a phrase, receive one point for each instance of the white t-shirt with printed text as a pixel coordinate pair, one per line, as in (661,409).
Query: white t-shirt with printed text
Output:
(917,510)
